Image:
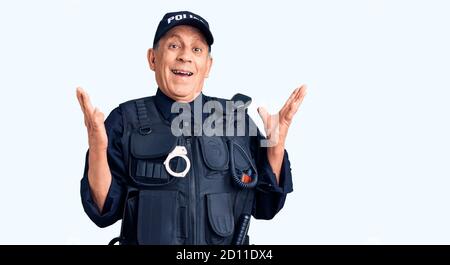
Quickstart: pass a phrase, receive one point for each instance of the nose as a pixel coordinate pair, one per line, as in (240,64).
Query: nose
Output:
(184,56)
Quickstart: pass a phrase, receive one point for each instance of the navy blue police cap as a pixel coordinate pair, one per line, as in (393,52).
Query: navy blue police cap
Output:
(173,19)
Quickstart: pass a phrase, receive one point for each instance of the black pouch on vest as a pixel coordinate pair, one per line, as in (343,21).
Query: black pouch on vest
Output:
(148,152)
(220,219)
(215,155)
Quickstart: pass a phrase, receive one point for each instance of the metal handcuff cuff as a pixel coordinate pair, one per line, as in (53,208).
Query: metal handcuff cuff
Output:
(179,151)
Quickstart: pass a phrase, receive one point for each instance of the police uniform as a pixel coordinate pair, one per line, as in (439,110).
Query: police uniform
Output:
(211,204)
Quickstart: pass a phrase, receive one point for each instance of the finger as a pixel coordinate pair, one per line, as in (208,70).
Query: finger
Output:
(98,119)
(302,93)
(87,107)
(289,115)
(86,102)
(299,99)
(264,115)
(79,97)
(80,101)
(291,97)
(295,106)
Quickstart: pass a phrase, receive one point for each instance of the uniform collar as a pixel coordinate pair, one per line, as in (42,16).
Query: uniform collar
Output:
(164,104)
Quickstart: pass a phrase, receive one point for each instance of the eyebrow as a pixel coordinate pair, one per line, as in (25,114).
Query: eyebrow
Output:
(179,37)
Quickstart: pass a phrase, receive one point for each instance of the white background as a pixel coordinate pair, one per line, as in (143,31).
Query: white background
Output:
(369,147)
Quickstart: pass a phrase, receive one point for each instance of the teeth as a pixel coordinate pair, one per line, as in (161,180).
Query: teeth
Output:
(182,72)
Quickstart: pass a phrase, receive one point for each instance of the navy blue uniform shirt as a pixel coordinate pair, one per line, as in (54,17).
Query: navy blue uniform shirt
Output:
(269,197)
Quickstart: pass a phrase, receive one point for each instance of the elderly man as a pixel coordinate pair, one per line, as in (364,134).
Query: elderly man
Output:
(169,182)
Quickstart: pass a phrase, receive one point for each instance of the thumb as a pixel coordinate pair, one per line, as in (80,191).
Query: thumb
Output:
(263,114)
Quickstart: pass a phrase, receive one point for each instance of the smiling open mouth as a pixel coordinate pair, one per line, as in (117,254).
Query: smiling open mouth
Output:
(181,72)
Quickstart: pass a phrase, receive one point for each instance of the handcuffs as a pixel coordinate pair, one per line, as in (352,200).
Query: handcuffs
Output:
(179,151)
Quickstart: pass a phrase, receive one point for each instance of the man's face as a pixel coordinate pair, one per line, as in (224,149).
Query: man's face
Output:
(181,63)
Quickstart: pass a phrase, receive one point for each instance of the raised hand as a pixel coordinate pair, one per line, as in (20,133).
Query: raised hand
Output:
(99,175)
(277,125)
(94,121)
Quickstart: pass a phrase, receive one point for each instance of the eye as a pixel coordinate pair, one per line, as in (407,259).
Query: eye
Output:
(197,50)
(173,46)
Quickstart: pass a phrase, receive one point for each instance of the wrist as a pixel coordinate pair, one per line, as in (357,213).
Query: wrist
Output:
(276,150)
(97,150)
(97,157)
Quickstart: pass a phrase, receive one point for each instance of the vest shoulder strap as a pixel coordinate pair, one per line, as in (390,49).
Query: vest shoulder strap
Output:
(241,101)
(142,113)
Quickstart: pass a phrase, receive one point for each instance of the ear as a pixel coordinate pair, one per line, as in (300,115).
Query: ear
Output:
(208,66)
(151,56)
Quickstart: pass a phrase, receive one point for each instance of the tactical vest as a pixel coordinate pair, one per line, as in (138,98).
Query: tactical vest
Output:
(210,205)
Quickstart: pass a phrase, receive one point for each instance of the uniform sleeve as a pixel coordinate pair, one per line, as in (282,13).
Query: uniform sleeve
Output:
(113,207)
(269,197)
